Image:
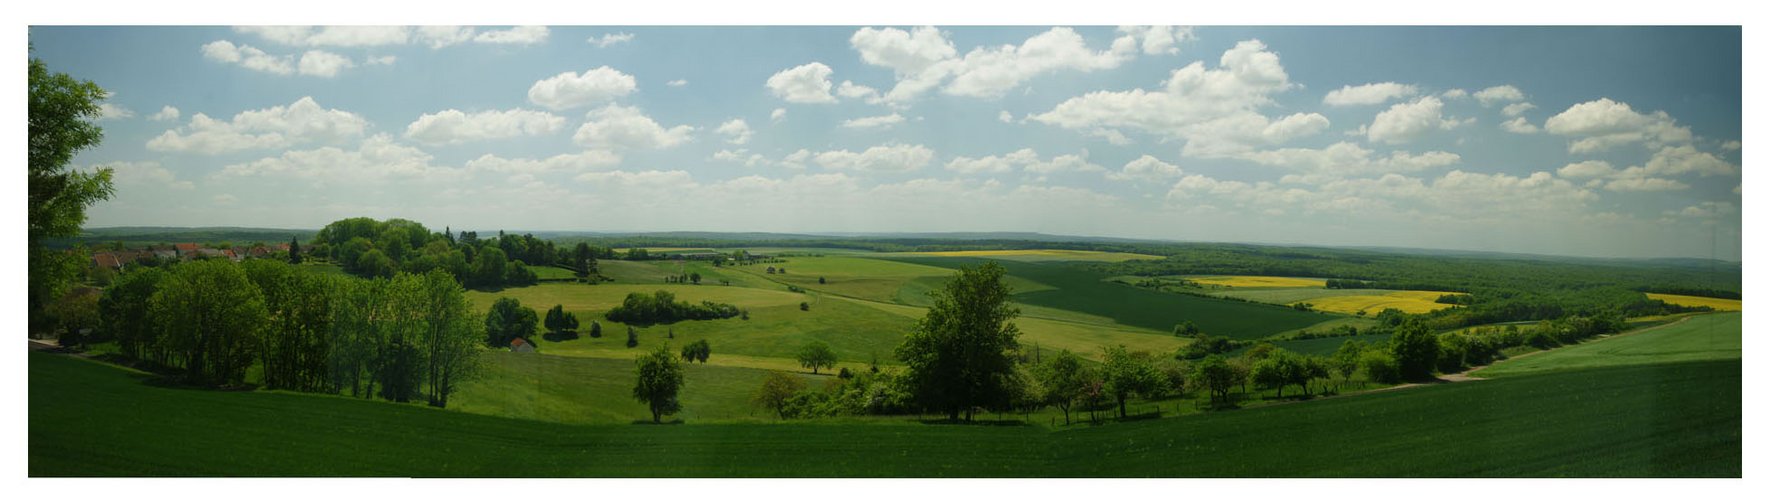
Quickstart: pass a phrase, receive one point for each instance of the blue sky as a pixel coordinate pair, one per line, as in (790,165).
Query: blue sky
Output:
(1580,141)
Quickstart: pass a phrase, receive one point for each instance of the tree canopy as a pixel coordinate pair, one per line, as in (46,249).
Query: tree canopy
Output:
(61,114)
(961,354)
(659,380)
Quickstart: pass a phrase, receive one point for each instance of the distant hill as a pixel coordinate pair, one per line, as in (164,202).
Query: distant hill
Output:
(135,236)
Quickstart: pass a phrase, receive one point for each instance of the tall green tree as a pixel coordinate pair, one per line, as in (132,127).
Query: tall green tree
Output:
(1064,380)
(1128,374)
(659,380)
(1218,377)
(584,259)
(961,353)
(816,354)
(61,114)
(777,389)
(1415,348)
(449,339)
(123,311)
(508,320)
(294,250)
(211,316)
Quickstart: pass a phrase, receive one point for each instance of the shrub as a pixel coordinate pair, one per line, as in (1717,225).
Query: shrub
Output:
(661,307)
(1379,366)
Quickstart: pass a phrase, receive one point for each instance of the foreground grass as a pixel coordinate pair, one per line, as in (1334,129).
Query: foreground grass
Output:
(1654,420)
(89,419)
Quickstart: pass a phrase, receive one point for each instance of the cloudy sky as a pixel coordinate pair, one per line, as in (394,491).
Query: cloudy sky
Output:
(1576,141)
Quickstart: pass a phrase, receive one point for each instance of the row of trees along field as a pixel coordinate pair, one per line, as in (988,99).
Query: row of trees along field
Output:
(370,248)
(208,321)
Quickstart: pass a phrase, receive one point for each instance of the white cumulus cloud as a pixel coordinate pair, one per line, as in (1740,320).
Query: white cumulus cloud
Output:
(806,83)
(735,131)
(886,158)
(882,121)
(453,126)
(623,127)
(608,39)
(1604,124)
(593,86)
(303,121)
(1367,94)
(1407,121)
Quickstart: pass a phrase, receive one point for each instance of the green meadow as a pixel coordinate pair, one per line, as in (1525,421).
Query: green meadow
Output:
(91,419)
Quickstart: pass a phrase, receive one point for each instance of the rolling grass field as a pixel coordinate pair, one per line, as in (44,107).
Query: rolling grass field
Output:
(90,419)
(854,331)
(1704,337)
(1687,300)
(1080,290)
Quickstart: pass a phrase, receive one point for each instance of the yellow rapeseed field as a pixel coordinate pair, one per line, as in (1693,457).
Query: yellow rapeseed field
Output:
(1691,301)
(1259,281)
(1044,254)
(1409,301)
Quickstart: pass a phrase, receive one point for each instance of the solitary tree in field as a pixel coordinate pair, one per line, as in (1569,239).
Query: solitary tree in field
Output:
(632,337)
(558,321)
(960,354)
(816,355)
(776,390)
(595,329)
(659,380)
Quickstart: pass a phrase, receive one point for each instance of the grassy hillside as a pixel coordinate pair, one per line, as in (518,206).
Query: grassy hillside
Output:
(88,419)
(1655,420)
(1698,338)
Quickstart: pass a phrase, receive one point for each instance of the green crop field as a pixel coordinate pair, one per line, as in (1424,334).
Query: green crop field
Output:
(597,390)
(1698,338)
(1084,291)
(550,272)
(90,419)
(871,279)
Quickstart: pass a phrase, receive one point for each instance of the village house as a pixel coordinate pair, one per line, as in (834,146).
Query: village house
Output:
(520,345)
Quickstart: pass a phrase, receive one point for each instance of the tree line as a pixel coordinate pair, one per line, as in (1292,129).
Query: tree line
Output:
(406,337)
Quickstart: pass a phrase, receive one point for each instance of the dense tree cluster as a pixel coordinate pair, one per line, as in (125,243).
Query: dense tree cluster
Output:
(370,248)
(400,338)
(661,307)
